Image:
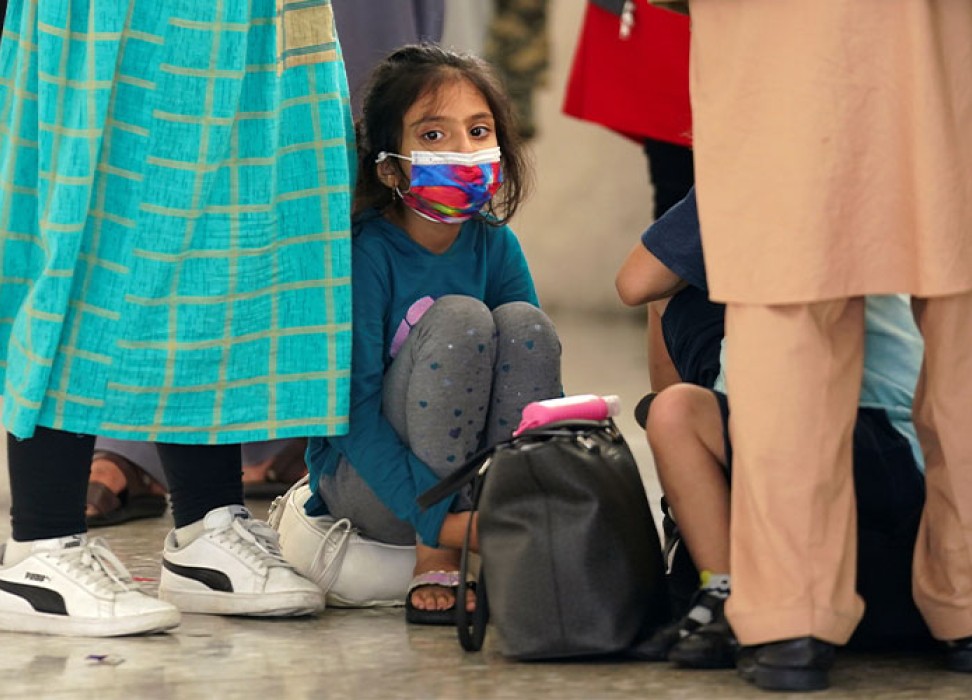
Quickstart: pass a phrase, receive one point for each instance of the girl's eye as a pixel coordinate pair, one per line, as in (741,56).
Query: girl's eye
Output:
(432,136)
(479,131)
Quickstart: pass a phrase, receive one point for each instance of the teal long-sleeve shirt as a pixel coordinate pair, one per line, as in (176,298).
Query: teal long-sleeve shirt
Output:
(391,274)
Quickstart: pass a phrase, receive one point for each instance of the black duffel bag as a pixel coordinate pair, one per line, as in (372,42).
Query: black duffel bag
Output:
(567,545)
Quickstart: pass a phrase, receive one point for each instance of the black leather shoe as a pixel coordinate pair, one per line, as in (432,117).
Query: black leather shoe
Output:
(958,655)
(710,646)
(795,665)
(746,663)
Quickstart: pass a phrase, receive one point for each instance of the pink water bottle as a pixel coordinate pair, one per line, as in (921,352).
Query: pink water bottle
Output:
(580,407)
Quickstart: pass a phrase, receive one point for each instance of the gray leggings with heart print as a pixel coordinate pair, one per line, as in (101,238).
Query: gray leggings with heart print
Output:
(459,383)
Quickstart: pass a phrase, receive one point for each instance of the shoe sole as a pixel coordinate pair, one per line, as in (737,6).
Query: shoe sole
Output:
(294,604)
(708,663)
(790,679)
(961,662)
(68,626)
(137,508)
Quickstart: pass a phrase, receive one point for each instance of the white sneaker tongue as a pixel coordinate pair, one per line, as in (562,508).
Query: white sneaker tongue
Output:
(221,517)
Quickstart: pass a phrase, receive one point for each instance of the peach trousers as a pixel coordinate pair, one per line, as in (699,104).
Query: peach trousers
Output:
(794,375)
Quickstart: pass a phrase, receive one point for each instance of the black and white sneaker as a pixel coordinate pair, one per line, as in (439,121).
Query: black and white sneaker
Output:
(234,568)
(74,586)
(705,608)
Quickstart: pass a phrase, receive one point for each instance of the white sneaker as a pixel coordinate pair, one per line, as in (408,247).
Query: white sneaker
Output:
(74,586)
(352,570)
(234,568)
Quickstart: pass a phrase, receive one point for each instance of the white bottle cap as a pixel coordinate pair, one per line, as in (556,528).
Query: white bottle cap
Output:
(613,402)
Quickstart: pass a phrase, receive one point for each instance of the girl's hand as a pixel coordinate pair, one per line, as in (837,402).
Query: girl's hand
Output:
(453,532)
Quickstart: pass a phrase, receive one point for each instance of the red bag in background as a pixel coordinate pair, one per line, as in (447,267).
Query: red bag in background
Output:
(638,85)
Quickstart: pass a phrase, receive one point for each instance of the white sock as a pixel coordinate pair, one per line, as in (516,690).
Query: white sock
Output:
(716,584)
(15,552)
(712,584)
(187,533)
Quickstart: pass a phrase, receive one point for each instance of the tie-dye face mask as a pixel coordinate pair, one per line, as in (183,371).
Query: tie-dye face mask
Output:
(447,187)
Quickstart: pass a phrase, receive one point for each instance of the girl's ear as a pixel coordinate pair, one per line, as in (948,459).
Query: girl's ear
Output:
(388,174)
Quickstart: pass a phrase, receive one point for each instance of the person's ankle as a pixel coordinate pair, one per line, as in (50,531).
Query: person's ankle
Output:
(711,596)
(715,584)
(428,559)
(104,471)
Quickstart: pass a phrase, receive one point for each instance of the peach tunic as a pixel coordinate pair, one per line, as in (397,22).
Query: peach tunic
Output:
(833,146)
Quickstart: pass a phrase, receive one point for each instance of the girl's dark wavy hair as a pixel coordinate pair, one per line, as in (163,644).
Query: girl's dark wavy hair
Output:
(396,84)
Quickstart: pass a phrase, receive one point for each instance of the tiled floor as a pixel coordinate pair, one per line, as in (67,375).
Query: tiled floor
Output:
(373,654)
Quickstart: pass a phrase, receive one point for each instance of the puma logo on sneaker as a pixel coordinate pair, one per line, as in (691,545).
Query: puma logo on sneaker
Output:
(74,586)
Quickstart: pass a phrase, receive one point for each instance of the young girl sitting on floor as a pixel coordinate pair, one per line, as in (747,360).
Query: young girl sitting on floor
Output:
(449,343)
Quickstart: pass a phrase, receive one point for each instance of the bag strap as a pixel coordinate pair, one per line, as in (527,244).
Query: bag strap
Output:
(471,627)
(455,481)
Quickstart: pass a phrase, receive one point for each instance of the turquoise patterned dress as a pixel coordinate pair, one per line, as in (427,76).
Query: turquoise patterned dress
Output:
(175,189)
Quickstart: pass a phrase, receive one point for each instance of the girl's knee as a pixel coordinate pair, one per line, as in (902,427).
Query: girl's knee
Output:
(459,319)
(459,308)
(519,319)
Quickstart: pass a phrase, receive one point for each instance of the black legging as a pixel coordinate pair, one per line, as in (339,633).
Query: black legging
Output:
(201,477)
(49,481)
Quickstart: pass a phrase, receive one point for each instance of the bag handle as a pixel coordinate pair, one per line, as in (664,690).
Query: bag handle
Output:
(471,627)
(480,461)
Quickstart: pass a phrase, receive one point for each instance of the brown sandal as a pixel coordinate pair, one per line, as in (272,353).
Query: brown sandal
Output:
(136,500)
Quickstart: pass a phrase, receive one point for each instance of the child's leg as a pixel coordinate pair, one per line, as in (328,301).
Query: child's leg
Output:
(686,433)
(436,397)
(527,366)
(436,392)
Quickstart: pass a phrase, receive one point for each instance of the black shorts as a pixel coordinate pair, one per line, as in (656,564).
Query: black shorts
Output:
(693,328)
